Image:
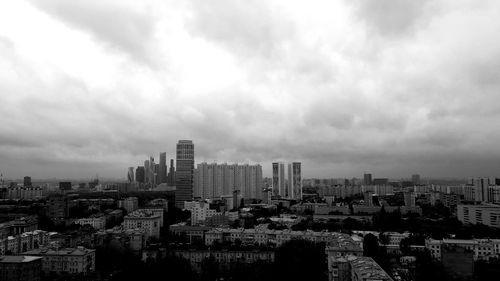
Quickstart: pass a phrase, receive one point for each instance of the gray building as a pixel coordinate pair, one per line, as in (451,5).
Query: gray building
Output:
(185,172)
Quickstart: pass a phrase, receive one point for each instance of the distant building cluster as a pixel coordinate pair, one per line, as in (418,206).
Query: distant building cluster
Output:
(480,249)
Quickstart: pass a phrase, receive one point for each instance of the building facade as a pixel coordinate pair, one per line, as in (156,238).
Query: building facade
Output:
(66,260)
(144,220)
(184,172)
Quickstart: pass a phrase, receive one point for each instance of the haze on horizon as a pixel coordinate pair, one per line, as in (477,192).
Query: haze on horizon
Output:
(389,87)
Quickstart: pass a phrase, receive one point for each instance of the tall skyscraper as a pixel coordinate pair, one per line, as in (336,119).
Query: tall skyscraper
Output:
(279,179)
(367,179)
(130,174)
(184,172)
(171,174)
(296,181)
(152,174)
(163,168)
(139,174)
(147,171)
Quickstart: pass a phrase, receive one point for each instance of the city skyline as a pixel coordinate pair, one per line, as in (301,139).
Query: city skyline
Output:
(342,86)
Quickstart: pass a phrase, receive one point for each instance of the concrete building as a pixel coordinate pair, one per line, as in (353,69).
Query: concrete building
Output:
(20,268)
(145,220)
(96,221)
(184,172)
(130,204)
(276,237)
(367,179)
(57,206)
(279,180)
(487,214)
(200,211)
(295,180)
(77,260)
(216,180)
(366,269)
(162,169)
(482,249)
(26,241)
(223,258)
(140,174)
(24,193)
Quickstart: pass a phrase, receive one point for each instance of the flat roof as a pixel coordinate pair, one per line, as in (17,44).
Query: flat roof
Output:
(18,259)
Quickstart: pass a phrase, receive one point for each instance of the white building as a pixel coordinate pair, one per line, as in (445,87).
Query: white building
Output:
(200,211)
(487,214)
(144,220)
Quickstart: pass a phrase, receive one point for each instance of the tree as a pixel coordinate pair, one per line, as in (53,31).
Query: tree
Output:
(370,245)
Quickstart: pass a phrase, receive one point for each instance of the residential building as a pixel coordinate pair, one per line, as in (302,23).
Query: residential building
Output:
(482,249)
(77,260)
(57,206)
(295,180)
(145,220)
(184,172)
(20,268)
(26,241)
(200,211)
(130,204)
(487,214)
(279,180)
(216,180)
(97,221)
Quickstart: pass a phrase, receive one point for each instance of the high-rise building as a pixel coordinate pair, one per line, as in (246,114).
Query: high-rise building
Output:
(163,168)
(296,180)
(171,174)
(216,180)
(27,182)
(184,172)
(279,179)
(367,179)
(130,174)
(147,171)
(152,174)
(139,174)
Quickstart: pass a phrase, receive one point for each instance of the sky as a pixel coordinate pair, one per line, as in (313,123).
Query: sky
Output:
(391,87)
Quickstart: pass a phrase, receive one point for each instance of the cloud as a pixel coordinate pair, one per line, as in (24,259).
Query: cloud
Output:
(391,87)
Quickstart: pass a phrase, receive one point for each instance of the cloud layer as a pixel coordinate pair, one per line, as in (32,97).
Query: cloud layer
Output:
(391,87)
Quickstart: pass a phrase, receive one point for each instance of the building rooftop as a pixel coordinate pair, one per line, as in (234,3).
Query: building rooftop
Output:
(142,213)
(18,259)
(367,269)
(78,251)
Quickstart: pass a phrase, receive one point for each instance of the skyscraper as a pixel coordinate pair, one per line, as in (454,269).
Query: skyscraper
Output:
(163,168)
(139,174)
(184,172)
(367,179)
(171,174)
(415,179)
(296,182)
(147,172)
(279,179)
(130,174)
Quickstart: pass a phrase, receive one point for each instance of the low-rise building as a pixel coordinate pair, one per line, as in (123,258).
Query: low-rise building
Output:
(273,237)
(20,268)
(482,249)
(366,269)
(77,260)
(96,221)
(13,245)
(144,220)
(130,204)
(222,258)
(200,211)
(192,233)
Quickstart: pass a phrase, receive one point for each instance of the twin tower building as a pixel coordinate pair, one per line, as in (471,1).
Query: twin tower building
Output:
(290,188)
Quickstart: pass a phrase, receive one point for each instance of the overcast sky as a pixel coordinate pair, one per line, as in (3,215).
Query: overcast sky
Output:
(393,87)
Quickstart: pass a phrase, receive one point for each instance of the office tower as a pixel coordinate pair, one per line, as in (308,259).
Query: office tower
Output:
(171,174)
(279,179)
(157,174)
(130,174)
(367,179)
(152,175)
(139,174)
(27,182)
(184,172)
(163,168)
(415,179)
(146,171)
(296,181)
